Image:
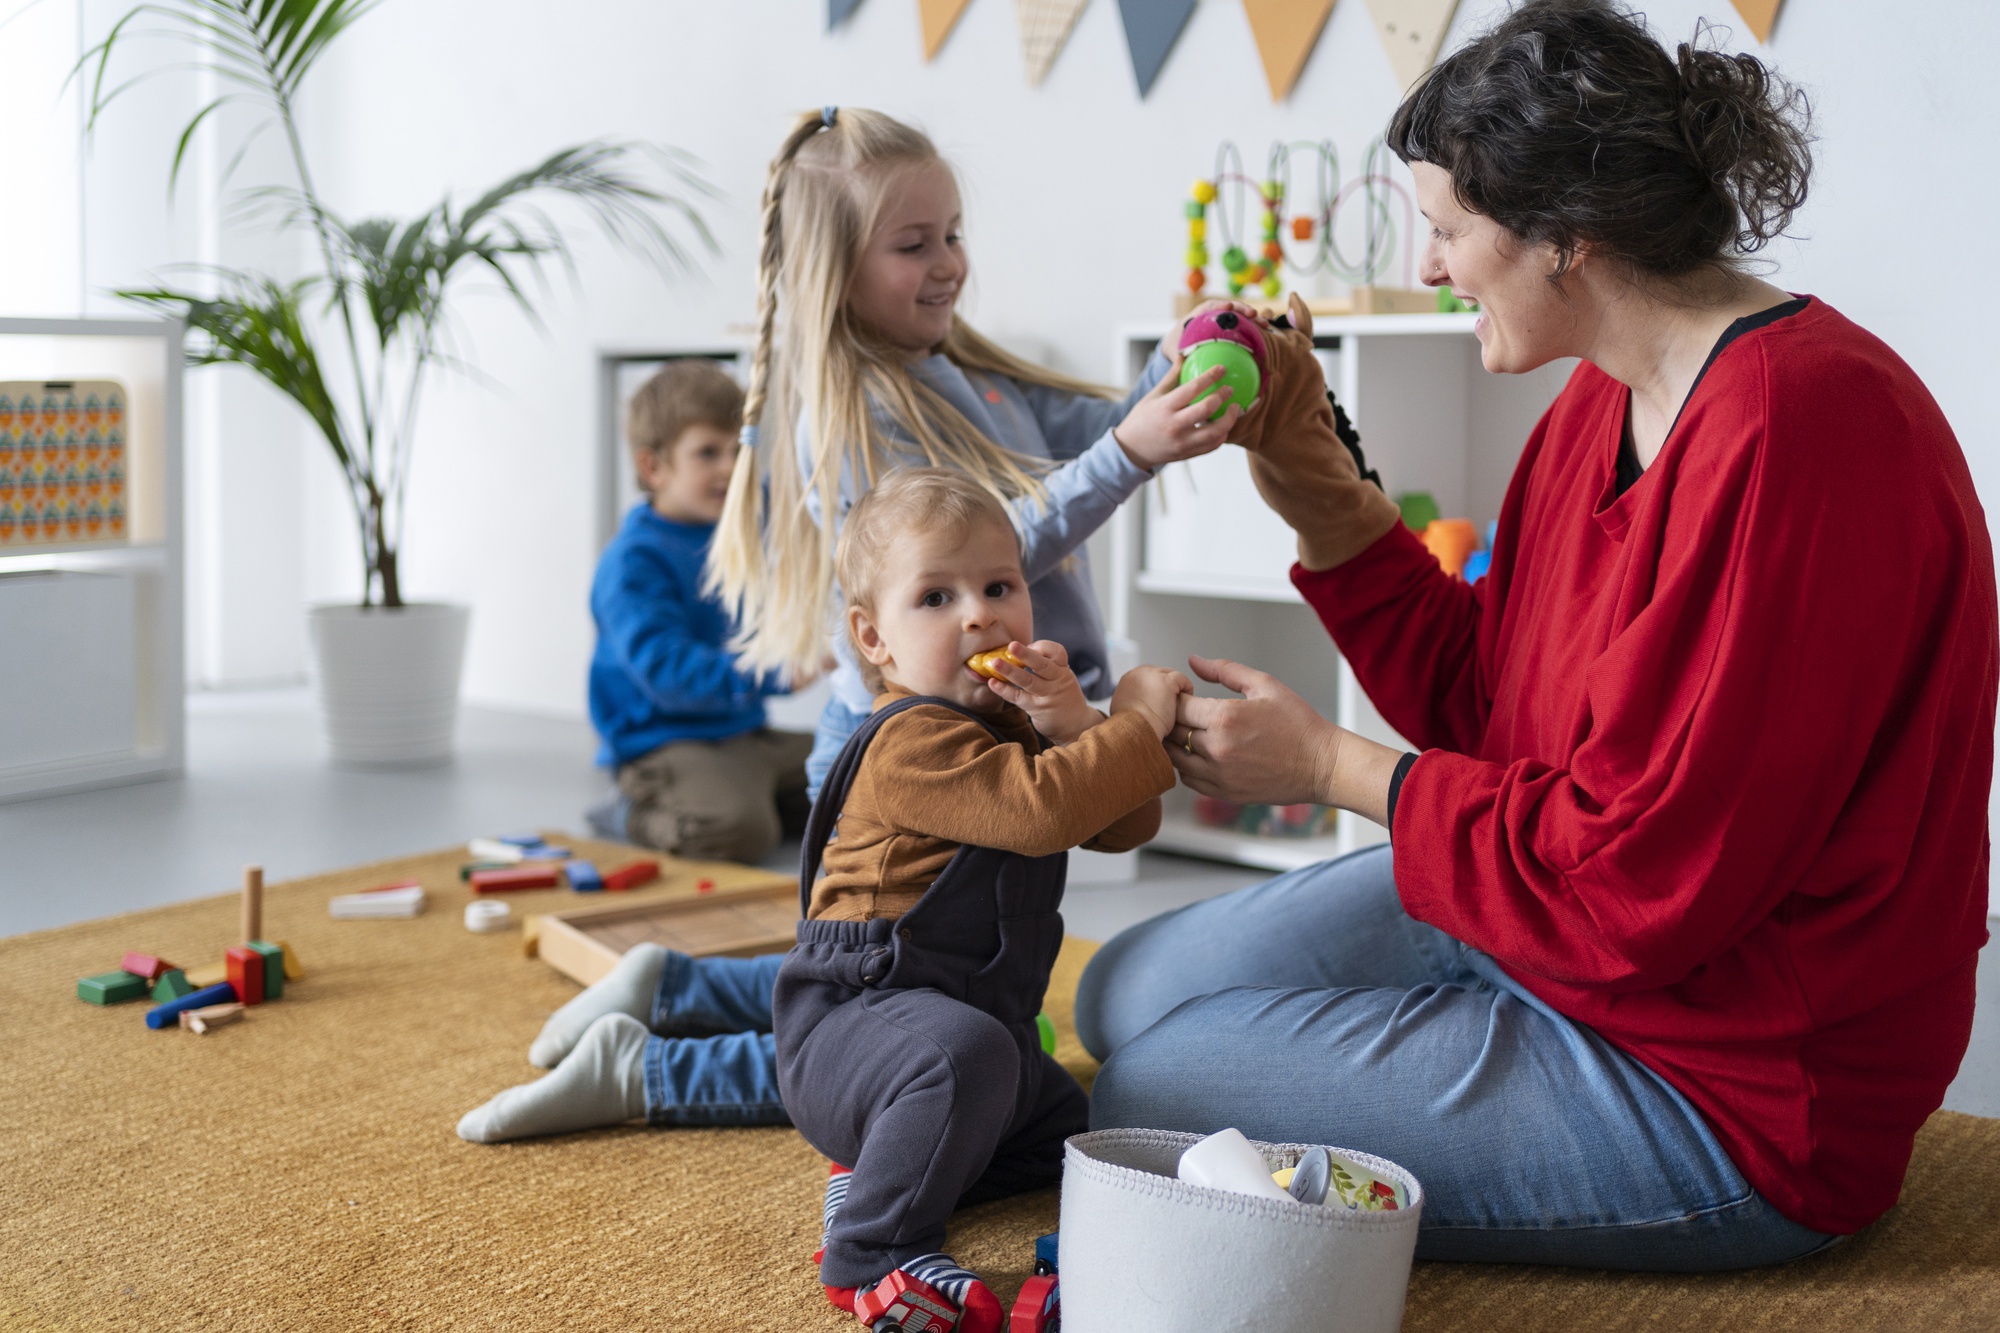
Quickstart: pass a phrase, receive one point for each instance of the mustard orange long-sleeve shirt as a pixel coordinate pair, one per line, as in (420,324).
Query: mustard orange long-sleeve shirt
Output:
(1706,762)
(934,779)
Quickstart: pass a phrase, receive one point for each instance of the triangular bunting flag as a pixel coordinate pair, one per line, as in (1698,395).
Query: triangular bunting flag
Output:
(1285,31)
(939,18)
(1045,26)
(1151,29)
(839,11)
(1761,15)
(1411,32)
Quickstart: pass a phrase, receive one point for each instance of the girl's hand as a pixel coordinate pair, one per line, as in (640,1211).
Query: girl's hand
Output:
(1167,425)
(1046,690)
(1154,692)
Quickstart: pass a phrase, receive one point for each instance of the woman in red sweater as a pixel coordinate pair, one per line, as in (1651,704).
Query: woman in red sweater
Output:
(1672,948)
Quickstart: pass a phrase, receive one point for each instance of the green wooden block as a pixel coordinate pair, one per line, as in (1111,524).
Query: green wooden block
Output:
(274,968)
(111,987)
(173,984)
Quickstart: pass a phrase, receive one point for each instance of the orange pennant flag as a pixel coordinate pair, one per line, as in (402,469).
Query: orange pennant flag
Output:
(1761,15)
(1286,31)
(1411,32)
(939,18)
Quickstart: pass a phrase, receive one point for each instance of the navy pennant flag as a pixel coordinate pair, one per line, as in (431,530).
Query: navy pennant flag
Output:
(1151,29)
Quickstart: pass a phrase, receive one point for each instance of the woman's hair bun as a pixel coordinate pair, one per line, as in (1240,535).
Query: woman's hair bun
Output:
(1568,123)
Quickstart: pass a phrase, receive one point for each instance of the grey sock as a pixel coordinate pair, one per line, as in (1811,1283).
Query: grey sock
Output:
(603,1082)
(627,989)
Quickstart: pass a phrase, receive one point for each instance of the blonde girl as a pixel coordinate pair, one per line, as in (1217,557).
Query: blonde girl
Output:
(862,365)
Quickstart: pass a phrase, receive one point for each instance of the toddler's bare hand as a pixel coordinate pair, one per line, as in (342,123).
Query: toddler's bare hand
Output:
(1154,692)
(1046,689)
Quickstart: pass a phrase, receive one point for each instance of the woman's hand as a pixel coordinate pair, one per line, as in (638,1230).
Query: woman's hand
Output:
(1046,690)
(1168,426)
(1271,746)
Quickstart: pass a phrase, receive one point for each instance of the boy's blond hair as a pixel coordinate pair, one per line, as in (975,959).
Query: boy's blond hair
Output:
(927,500)
(771,564)
(693,391)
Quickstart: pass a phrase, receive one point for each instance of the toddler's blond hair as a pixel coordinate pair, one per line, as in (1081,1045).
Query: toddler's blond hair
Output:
(927,500)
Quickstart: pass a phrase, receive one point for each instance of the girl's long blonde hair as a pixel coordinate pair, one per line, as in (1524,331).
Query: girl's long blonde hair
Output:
(771,564)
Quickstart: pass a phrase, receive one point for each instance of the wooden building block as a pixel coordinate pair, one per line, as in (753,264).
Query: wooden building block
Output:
(253,903)
(631,876)
(246,974)
(211,975)
(111,987)
(274,968)
(294,970)
(173,984)
(145,965)
(168,1014)
(513,880)
(199,1021)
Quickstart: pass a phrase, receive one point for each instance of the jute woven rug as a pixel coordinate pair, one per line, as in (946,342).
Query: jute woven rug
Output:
(298,1170)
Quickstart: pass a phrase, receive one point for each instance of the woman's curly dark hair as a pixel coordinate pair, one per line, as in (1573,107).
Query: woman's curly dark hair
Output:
(1569,124)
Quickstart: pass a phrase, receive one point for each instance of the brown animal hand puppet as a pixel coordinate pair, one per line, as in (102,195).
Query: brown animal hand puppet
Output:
(1301,467)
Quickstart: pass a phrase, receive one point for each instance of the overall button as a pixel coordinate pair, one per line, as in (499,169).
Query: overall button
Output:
(903,934)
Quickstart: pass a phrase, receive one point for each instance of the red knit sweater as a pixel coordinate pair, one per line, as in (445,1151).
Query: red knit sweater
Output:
(1706,764)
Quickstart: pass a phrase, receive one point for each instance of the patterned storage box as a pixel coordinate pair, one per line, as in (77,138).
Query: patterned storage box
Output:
(62,462)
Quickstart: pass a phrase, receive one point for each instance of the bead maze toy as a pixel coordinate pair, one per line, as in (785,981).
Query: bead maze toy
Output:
(1217,209)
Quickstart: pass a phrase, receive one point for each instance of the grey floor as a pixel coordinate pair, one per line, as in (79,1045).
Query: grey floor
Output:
(259,790)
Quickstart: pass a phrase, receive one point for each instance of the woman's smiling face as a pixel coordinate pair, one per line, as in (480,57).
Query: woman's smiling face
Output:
(1523,320)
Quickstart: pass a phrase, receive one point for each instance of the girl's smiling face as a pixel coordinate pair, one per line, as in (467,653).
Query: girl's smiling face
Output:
(913,265)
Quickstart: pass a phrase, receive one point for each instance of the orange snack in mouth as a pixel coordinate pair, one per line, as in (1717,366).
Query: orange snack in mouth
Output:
(986,662)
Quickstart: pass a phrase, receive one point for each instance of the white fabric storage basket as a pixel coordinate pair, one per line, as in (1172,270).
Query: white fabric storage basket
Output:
(1142,1250)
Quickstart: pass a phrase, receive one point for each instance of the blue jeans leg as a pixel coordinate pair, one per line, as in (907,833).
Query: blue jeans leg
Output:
(730,1080)
(1313,1009)
(836,723)
(702,997)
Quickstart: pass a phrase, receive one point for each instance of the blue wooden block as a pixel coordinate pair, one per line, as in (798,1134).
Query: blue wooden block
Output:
(583,877)
(1045,1252)
(169,1014)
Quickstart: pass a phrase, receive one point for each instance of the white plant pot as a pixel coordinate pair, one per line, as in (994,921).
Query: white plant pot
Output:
(388,680)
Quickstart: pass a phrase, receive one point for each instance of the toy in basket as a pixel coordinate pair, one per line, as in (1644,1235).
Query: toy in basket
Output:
(1270,821)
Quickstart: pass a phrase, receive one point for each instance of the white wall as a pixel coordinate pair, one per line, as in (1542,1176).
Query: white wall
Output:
(1073,201)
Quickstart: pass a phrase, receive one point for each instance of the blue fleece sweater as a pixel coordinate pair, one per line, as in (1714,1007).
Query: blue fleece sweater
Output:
(661,672)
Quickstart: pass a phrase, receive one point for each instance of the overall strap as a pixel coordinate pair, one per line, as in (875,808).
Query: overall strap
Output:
(833,792)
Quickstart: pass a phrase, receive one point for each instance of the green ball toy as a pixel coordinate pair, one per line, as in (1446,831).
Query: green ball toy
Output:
(1239,372)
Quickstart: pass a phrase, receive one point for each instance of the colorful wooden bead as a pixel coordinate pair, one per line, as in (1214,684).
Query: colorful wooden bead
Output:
(1273,251)
(1198,229)
(1302,229)
(1204,192)
(1197,279)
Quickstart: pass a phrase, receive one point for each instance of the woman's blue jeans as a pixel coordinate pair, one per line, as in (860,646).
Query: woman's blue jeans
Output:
(1313,1009)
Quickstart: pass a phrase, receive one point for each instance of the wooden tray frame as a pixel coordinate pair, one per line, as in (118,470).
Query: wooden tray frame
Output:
(563,941)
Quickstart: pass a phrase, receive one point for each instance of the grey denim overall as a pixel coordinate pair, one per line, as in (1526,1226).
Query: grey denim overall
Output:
(907,1048)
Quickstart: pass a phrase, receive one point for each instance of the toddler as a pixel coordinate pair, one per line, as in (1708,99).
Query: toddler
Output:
(698,772)
(905,1015)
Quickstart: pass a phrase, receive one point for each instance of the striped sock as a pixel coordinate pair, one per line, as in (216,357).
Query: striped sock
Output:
(837,1180)
(943,1273)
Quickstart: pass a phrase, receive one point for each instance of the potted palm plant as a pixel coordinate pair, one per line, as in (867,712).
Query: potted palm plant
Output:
(354,340)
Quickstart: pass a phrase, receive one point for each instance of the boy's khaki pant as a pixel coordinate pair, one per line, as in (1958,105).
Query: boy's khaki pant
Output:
(717,800)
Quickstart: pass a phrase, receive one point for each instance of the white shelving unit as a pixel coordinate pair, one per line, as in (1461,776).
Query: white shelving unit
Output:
(1202,565)
(91,632)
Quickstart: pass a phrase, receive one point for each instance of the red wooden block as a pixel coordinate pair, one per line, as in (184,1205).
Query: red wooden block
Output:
(246,974)
(916,1306)
(147,966)
(632,876)
(513,878)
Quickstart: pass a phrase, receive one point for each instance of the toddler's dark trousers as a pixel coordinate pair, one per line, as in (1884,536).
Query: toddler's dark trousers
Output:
(934,1103)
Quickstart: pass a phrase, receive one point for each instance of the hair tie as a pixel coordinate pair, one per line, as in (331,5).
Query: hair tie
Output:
(827,115)
(747,437)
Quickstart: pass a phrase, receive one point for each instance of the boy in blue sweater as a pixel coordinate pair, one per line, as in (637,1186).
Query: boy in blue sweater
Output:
(698,772)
